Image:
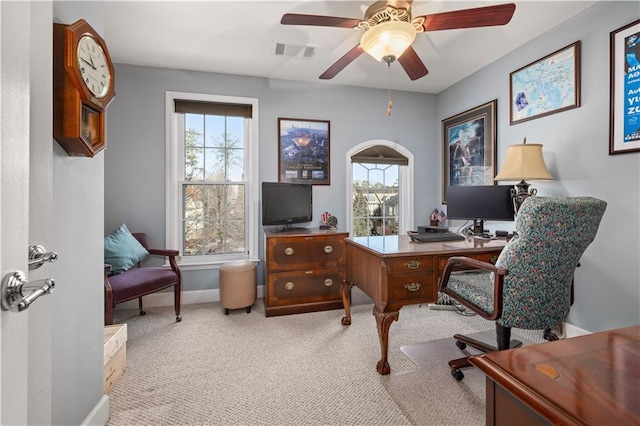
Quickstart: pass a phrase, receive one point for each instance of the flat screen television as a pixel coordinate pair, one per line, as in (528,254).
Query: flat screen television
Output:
(286,204)
(480,203)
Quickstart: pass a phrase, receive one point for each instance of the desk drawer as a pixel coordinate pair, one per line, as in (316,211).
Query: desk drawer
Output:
(297,287)
(411,264)
(413,287)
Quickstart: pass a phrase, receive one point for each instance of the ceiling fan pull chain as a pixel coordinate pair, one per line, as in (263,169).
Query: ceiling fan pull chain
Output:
(390,104)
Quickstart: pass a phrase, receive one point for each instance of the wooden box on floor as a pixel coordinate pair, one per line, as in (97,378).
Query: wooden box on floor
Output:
(115,354)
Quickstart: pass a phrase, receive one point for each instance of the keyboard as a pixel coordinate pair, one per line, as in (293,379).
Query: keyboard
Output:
(433,237)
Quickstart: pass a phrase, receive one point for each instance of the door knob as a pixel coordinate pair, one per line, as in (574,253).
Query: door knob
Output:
(18,293)
(38,256)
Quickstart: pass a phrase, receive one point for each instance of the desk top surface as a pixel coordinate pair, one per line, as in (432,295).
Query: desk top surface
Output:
(402,245)
(590,379)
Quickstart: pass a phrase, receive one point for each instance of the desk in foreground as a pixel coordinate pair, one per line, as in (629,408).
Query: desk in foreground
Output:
(586,380)
(394,272)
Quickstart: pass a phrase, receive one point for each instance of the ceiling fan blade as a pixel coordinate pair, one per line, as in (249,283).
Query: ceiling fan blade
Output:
(341,63)
(412,64)
(470,18)
(318,20)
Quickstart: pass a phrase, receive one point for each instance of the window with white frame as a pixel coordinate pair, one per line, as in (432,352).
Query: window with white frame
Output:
(375,199)
(379,188)
(211,177)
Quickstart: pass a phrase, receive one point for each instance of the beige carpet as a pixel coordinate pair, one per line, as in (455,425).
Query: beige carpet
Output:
(246,369)
(430,394)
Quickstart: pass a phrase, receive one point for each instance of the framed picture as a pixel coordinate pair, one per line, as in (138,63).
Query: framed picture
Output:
(624,109)
(469,147)
(546,86)
(303,156)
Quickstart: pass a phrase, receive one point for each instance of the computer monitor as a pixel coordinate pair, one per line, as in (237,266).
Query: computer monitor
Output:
(480,203)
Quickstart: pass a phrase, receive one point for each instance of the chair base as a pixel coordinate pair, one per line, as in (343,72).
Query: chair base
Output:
(504,342)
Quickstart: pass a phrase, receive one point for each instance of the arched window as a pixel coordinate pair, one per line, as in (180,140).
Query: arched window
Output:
(380,180)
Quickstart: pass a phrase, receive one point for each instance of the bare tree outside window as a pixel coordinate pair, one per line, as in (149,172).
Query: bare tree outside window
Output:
(213,188)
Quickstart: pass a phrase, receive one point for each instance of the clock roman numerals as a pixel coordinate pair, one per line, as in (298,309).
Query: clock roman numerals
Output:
(92,65)
(83,87)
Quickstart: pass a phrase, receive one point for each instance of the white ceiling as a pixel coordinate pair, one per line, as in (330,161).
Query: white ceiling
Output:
(238,37)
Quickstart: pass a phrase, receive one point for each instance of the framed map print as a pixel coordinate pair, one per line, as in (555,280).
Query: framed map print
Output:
(624,116)
(546,86)
(303,154)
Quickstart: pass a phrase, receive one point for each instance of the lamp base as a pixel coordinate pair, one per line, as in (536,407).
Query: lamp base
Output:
(521,193)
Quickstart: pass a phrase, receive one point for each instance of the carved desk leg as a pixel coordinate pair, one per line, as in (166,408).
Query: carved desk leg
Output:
(384,321)
(346,301)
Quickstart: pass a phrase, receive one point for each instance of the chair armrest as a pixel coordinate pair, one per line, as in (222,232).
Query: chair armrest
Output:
(107,285)
(171,254)
(163,252)
(458,261)
(499,273)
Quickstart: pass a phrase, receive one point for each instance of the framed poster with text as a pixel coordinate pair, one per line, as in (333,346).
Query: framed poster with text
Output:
(303,154)
(624,109)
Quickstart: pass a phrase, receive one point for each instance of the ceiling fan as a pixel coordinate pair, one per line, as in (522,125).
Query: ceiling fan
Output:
(389,31)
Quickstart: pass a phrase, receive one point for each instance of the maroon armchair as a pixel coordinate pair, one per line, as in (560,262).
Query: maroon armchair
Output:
(141,280)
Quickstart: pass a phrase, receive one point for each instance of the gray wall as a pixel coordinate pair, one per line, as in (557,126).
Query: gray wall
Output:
(77,304)
(575,146)
(135,156)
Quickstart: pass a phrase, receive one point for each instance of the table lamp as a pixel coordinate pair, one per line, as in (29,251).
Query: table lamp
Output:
(524,161)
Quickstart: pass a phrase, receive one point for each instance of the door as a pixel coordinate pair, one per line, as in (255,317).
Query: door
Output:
(25,181)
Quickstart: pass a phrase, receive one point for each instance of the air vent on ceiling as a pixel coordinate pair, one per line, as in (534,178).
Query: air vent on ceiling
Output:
(299,51)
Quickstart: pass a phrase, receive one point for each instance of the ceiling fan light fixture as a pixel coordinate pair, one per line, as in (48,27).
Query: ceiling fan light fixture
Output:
(389,38)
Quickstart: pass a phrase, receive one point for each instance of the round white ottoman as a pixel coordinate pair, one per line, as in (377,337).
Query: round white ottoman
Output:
(238,285)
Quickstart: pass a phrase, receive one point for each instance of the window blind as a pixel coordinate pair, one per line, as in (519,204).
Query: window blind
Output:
(213,108)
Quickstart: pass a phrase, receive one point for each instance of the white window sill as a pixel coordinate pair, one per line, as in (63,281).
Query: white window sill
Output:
(195,265)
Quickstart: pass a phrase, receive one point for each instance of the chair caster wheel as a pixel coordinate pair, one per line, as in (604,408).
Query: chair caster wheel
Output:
(550,335)
(178,318)
(461,345)
(457,374)
(142,313)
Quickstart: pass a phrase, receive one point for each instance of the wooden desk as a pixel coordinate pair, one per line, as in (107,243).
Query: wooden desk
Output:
(394,272)
(586,380)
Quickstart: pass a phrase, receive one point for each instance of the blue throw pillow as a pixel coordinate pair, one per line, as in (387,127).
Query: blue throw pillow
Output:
(122,250)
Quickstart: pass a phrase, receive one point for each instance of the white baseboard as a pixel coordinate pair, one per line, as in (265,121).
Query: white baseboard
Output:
(208,296)
(165,298)
(100,413)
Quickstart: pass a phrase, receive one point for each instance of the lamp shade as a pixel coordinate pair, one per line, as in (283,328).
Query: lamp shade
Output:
(524,161)
(389,38)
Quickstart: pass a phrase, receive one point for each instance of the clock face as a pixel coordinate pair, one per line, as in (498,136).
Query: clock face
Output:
(93,66)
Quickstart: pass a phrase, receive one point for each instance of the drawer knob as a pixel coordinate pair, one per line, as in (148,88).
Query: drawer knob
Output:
(412,286)
(328,249)
(288,251)
(289,286)
(328,282)
(412,264)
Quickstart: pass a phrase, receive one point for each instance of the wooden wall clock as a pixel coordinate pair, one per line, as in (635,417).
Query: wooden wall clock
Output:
(83,87)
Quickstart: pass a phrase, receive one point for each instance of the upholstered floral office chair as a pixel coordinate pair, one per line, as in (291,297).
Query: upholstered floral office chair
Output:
(531,284)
